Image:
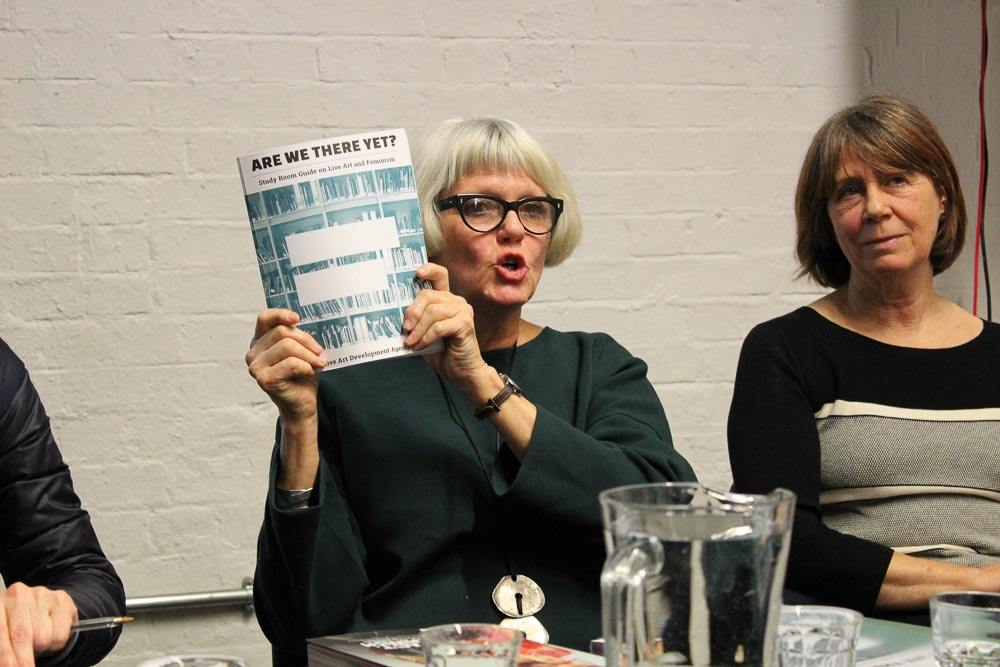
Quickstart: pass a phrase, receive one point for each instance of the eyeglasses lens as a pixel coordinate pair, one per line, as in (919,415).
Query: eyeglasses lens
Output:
(537,216)
(482,214)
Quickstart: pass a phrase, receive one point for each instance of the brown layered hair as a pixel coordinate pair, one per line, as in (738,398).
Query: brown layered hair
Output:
(889,134)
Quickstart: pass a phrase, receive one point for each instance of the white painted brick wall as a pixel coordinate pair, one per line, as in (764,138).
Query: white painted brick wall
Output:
(929,52)
(129,276)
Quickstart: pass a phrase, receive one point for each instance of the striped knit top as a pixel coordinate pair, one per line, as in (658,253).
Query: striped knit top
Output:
(888,448)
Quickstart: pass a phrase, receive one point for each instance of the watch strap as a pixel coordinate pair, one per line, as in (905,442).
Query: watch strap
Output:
(493,404)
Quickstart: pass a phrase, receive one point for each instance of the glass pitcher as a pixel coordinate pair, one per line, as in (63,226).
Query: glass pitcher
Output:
(693,576)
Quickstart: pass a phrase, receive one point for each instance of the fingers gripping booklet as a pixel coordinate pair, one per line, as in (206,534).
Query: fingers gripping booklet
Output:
(336,225)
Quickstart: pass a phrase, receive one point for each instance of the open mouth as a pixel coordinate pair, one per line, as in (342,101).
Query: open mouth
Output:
(511,267)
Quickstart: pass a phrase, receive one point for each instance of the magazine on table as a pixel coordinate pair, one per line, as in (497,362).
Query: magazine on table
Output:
(401,648)
(337,230)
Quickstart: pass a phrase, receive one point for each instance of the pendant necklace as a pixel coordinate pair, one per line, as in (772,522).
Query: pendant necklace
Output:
(516,596)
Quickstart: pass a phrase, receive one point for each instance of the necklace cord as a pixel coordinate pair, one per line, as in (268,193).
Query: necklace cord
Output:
(457,418)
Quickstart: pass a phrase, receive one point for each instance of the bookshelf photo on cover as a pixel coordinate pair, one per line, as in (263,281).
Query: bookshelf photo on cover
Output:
(337,230)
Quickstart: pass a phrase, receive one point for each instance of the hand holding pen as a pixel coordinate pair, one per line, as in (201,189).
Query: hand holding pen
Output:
(34,620)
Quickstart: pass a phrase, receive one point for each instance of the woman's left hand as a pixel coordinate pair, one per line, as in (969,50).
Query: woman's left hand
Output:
(437,314)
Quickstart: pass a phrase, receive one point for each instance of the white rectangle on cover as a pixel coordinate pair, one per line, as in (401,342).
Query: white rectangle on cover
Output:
(341,240)
(340,281)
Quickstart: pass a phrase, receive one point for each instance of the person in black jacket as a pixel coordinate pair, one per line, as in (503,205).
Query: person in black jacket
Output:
(50,559)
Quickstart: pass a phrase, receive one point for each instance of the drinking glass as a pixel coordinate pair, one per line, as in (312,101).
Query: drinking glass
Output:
(817,636)
(966,628)
(194,660)
(470,645)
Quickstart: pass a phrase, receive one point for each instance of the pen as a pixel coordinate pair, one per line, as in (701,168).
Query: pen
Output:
(100,623)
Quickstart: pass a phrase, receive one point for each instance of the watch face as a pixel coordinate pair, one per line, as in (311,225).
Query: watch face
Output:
(513,385)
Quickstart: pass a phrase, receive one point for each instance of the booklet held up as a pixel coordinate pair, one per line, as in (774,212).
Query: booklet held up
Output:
(336,225)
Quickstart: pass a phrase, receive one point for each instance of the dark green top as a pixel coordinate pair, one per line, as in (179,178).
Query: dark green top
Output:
(404,530)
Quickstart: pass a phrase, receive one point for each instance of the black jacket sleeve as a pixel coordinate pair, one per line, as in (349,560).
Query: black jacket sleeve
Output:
(773,442)
(46,538)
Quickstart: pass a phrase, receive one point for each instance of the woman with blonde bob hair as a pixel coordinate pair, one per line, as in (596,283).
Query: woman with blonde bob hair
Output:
(460,486)
(459,146)
(878,403)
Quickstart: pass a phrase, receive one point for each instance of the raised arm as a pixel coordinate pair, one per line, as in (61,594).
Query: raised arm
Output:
(284,361)
(611,432)
(294,596)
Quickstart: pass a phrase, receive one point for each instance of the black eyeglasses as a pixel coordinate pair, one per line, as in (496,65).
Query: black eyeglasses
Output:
(484,213)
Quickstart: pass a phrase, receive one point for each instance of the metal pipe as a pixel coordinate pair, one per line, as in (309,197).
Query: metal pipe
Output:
(241,597)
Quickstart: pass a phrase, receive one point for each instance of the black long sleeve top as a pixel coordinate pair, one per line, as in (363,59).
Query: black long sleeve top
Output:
(886,447)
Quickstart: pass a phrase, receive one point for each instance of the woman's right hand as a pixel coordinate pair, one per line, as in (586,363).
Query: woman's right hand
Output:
(284,361)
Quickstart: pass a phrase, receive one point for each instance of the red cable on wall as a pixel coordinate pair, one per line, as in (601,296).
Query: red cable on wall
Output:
(983,166)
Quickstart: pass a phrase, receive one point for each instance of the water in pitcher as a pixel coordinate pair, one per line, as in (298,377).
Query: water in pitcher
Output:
(693,584)
(711,606)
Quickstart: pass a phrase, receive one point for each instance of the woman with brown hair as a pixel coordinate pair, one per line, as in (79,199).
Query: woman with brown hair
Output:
(878,404)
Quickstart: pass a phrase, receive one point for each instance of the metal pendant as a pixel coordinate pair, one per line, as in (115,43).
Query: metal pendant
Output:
(517,596)
(530,626)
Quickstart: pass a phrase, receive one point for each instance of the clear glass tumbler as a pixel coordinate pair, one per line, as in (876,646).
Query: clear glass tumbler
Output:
(194,660)
(818,636)
(470,645)
(966,628)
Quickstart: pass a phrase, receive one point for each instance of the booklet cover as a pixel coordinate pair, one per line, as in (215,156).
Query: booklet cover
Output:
(337,229)
(401,648)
